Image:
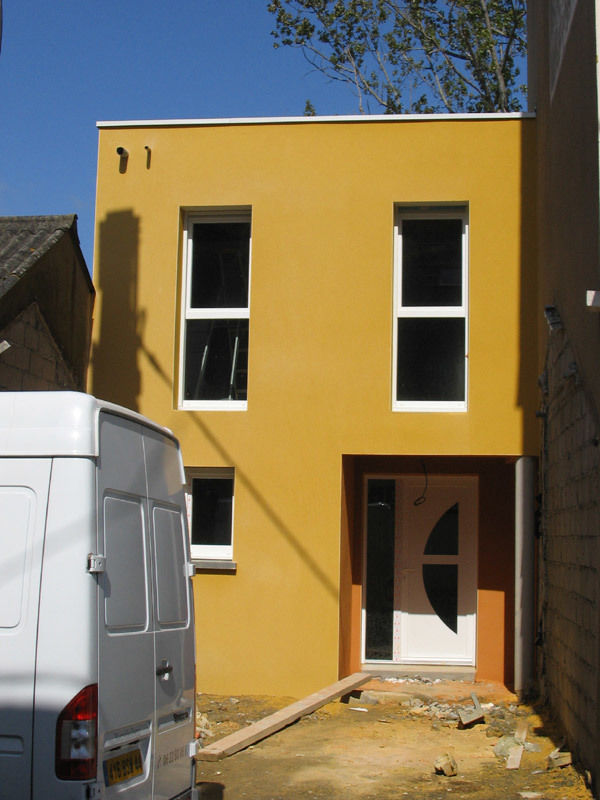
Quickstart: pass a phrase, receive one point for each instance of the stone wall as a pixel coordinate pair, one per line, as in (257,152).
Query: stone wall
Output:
(33,360)
(570,543)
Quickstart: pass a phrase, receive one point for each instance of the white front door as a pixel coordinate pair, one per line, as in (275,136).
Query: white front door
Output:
(421,575)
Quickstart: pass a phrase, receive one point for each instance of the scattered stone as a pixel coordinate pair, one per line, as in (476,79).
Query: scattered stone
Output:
(470,716)
(558,759)
(446,765)
(204,729)
(532,747)
(530,795)
(504,746)
(362,699)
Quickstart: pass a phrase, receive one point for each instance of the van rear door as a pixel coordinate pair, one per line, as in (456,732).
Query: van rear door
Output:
(146,639)
(23,499)
(174,631)
(125,630)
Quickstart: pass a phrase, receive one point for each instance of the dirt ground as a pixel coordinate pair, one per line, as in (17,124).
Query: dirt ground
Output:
(383,742)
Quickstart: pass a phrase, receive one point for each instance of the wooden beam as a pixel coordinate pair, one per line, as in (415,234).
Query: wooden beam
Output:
(275,722)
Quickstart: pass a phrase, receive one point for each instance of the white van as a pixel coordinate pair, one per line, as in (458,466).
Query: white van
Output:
(96,618)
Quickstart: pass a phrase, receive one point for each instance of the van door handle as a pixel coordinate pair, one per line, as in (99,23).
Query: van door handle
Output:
(164,670)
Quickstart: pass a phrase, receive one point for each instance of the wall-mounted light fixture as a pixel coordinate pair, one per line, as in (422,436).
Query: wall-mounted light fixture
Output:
(4,345)
(148,156)
(123,156)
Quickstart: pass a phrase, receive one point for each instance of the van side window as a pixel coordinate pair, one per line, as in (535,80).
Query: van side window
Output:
(16,512)
(170,562)
(126,598)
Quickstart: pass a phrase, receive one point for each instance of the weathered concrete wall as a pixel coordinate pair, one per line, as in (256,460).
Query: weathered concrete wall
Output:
(33,361)
(571,551)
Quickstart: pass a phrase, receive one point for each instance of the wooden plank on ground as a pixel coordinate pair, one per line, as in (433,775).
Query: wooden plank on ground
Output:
(275,722)
(514,757)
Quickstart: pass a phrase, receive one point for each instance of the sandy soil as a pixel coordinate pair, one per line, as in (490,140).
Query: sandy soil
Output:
(383,743)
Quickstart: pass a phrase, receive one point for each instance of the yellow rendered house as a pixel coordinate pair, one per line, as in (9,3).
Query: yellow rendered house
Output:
(336,318)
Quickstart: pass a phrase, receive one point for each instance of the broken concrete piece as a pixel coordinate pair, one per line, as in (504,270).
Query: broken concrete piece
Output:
(468,717)
(204,729)
(446,765)
(557,759)
(359,699)
(505,745)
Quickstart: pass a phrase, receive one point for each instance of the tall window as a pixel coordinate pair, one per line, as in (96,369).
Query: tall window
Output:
(209,497)
(214,346)
(430,302)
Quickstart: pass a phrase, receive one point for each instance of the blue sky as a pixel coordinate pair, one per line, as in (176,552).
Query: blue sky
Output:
(65,64)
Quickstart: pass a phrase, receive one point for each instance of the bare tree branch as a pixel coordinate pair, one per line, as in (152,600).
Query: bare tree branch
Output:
(458,55)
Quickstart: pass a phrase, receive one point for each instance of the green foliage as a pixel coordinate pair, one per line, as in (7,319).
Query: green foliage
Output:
(413,55)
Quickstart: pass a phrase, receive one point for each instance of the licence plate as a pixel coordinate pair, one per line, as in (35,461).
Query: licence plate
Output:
(121,768)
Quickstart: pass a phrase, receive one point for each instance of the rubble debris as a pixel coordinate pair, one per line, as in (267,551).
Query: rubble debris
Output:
(505,745)
(469,717)
(361,699)
(558,759)
(204,729)
(446,765)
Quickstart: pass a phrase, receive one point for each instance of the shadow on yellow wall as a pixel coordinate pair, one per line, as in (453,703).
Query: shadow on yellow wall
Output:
(121,343)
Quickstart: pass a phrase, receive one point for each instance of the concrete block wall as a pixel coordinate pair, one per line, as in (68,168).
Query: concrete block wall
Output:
(570,558)
(33,360)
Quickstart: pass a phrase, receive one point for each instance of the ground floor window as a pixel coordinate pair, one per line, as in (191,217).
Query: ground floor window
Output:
(210,502)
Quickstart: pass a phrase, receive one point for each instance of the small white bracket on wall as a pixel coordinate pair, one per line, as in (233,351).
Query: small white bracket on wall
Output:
(4,345)
(592,300)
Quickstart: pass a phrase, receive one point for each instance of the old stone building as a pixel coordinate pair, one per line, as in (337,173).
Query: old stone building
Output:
(46,302)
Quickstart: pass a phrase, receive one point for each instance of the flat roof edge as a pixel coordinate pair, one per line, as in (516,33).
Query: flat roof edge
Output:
(183,123)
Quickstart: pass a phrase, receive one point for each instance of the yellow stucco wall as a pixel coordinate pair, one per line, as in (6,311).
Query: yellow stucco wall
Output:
(322,196)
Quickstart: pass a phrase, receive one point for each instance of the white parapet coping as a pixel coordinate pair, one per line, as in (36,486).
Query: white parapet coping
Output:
(182,123)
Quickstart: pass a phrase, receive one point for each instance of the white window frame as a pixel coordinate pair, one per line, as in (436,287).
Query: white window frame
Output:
(432,312)
(190,313)
(210,552)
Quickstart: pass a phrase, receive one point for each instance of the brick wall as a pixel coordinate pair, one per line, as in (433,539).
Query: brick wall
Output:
(569,591)
(33,361)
